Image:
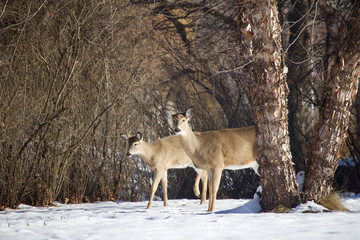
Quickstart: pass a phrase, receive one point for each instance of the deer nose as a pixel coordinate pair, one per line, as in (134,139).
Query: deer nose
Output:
(177,130)
(128,154)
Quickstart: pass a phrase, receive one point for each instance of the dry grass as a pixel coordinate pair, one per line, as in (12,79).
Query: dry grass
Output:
(280,209)
(333,203)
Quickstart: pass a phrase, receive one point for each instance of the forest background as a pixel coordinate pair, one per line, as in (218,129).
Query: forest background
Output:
(75,74)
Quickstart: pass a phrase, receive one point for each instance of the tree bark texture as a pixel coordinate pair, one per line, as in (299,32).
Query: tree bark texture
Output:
(342,86)
(261,29)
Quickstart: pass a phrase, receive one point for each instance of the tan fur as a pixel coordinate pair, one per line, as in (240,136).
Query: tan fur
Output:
(161,155)
(214,151)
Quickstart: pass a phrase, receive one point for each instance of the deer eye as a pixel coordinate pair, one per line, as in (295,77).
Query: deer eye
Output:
(135,144)
(183,120)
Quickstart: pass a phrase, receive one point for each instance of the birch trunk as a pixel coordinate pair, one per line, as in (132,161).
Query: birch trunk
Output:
(342,85)
(269,91)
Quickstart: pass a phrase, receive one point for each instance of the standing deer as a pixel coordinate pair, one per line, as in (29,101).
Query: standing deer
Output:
(234,148)
(161,155)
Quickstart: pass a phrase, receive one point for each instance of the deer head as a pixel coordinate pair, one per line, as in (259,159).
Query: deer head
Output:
(180,121)
(135,142)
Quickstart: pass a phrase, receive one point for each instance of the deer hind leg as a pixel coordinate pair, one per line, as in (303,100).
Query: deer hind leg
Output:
(164,187)
(196,185)
(210,183)
(204,178)
(155,184)
(214,187)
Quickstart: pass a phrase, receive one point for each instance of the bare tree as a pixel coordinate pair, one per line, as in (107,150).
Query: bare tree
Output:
(262,34)
(342,80)
(74,75)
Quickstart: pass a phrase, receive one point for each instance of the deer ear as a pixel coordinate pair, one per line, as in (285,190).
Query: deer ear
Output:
(124,136)
(168,114)
(189,113)
(139,136)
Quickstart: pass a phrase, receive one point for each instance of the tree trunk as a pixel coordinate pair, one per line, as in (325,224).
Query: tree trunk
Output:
(342,85)
(262,33)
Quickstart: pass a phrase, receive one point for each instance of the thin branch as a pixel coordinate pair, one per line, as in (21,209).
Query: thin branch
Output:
(25,20)
(2,12)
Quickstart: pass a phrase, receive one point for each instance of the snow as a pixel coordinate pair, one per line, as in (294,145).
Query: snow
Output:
(348,162)
(182,219)
(300,179)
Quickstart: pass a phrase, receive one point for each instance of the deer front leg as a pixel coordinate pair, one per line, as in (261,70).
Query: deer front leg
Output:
(164,187)
(158,176)
(215,182)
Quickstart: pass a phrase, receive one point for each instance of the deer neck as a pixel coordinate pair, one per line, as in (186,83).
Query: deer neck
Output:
(189,141)
(147,152)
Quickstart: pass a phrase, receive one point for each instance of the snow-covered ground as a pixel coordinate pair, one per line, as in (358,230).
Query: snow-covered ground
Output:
(182,219)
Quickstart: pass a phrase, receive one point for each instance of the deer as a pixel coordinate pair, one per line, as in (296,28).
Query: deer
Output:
(161,155)
(213,151)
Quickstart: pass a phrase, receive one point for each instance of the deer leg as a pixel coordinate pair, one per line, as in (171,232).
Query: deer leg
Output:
(215,182)
(196,185)
(164,187)
(210,183)
(158,176)
(204,186)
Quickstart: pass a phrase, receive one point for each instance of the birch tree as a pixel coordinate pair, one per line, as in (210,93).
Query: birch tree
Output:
(342,80)
(269,91)
(268,88)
